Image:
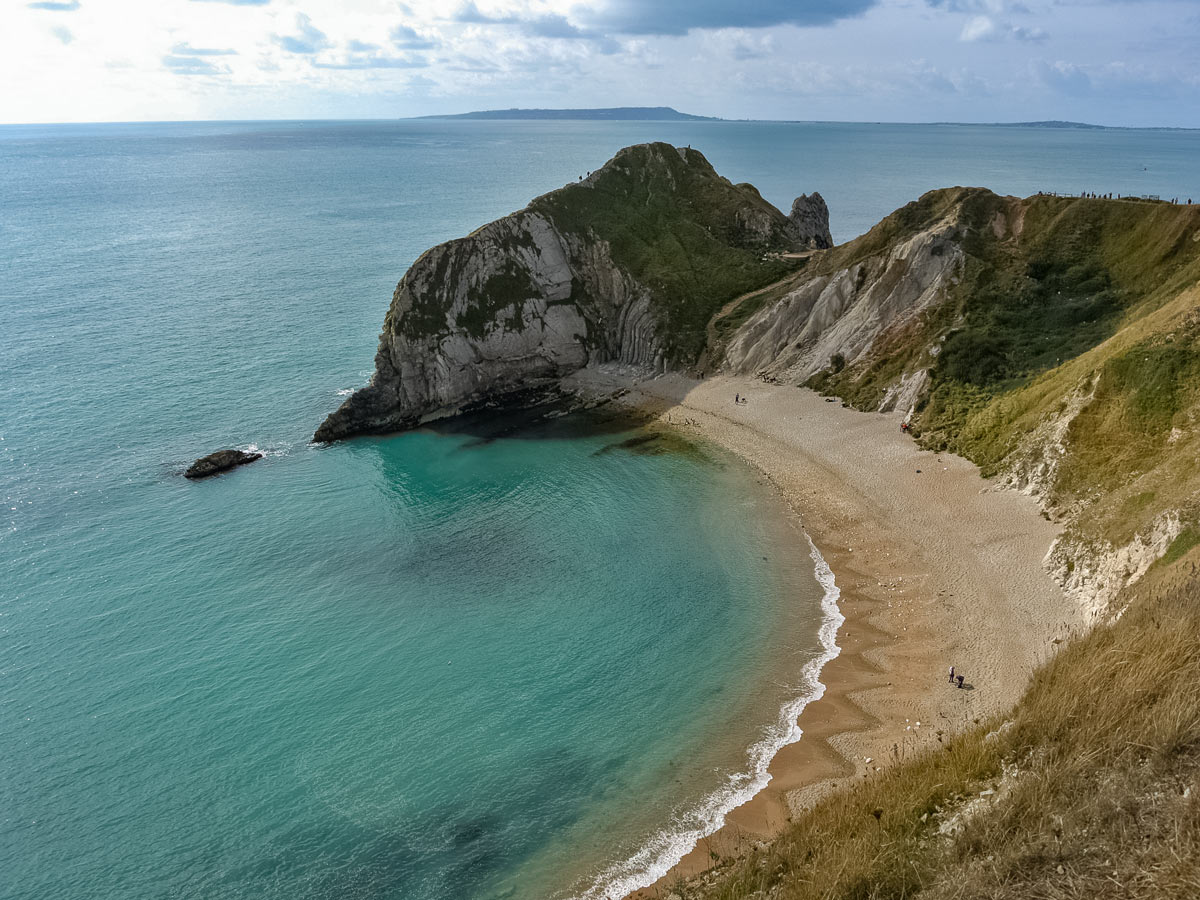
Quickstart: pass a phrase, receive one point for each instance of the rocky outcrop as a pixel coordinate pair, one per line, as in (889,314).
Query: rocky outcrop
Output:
(845,310)
(1094,574)
(218,462)
(810,222)
(627,265)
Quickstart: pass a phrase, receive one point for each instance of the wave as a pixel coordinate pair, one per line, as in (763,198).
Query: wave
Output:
(664,851)
(276,450)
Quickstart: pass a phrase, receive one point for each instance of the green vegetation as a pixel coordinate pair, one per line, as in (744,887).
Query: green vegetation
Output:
(1184,541)
(1079,342)
(737,312)
(1092,785)
(1086,313)
(509,287)
(693,238)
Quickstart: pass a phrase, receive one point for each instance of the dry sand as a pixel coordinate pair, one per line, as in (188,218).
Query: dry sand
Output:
(936,568)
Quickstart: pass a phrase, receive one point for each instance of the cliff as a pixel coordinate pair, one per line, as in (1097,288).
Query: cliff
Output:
(1056,343)
(1053,341)
(628,264)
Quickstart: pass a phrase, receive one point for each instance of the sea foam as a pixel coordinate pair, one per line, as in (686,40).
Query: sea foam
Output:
(664,851)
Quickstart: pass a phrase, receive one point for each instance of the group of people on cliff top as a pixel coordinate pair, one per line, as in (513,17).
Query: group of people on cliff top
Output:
(1109,196)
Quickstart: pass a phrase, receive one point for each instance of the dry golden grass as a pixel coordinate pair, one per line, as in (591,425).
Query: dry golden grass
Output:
(1090,786)
(1092,791)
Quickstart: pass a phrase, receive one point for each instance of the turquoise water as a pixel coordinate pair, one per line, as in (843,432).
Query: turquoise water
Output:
(423,666)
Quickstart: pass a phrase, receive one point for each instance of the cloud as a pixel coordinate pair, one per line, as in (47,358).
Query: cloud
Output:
(406,38)
(678,17)
(991,25)
(1067,78)
(374,61)
(552,25)
(63,34)
(547,25)
(56,5)
(236,2)
(741,45)
(469,14)
(309,38)
(1030,35)
(978,28)
(191,65)
(186,49)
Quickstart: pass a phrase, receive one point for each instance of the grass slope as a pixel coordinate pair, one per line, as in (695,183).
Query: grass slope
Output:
(1090,786)
(1058,300)
(692,237)
(1088,790)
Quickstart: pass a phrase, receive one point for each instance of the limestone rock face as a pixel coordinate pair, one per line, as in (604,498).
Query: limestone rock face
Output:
(809,219)
(627,265)
(220,461)
(846,310)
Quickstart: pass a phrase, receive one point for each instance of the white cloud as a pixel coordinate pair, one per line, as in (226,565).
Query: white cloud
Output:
(307,38)
(978,28)
(884,59)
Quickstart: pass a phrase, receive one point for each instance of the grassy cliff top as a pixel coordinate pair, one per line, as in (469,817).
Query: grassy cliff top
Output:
(665,217)
(1058,301)
(692,237)
(1072,333)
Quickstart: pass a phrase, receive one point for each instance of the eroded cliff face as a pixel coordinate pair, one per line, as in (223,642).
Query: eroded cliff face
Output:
(1053,341)
(626,265)
(844,312)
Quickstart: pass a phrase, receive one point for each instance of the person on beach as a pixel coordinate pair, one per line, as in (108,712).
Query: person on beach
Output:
(952,674)
(737,398)
(960,679)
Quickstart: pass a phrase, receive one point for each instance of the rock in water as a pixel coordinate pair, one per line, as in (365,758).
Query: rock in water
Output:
(628,264)
(810,222)
(221,461)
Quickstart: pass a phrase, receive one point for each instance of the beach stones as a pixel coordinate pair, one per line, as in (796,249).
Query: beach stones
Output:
(221,461)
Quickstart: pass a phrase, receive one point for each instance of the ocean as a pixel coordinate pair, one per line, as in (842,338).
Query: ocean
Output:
(429,665)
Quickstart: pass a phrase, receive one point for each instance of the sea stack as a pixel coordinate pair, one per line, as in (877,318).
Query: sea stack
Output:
(810,222)
(628,264)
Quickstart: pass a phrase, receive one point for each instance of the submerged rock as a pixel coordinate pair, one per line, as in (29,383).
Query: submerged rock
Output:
(221,461)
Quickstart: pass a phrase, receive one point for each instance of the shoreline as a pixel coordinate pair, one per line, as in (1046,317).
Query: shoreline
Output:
(934,567)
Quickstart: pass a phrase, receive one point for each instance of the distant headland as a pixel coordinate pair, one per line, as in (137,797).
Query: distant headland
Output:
(611,114)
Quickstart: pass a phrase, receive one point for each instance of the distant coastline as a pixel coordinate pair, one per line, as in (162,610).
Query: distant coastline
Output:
(608,114)
(670,114)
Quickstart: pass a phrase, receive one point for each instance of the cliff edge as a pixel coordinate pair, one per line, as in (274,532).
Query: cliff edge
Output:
(628,264)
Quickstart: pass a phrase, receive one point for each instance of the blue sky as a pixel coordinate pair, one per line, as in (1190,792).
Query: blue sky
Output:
(1115,62)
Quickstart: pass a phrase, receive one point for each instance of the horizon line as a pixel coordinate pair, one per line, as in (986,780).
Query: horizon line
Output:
(1064,124)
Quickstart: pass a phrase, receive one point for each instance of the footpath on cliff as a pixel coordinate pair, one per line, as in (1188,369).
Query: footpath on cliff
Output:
(936,568)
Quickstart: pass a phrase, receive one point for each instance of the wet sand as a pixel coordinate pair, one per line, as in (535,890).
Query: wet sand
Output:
(935,566)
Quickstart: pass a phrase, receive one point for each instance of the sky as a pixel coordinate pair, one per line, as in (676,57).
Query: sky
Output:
(1112,62)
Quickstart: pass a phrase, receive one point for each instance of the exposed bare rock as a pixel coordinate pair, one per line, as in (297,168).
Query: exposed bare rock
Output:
(810,222)
(844,311)
(627,265)
(218,462)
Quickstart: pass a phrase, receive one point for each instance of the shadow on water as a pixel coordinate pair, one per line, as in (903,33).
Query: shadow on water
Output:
(539,417)
(557,419)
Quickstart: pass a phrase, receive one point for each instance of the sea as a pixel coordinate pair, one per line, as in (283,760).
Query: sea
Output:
(443,664)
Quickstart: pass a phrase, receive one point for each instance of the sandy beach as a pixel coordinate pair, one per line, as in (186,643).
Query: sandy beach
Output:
(936,568)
